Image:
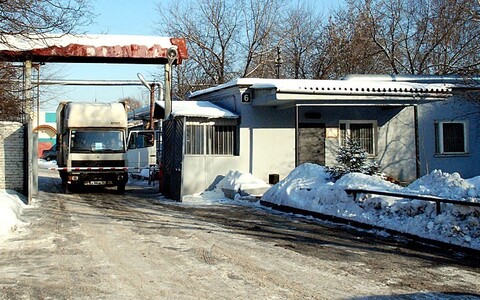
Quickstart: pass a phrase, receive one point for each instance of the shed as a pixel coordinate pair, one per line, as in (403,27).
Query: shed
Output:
(200,142)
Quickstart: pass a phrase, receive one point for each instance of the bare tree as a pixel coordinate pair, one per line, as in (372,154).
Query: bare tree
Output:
(29,18)
(10,106)
(132,103)
(300,32)
(425,36)
(259,37)
(210,27)
(225,38)
(32,20)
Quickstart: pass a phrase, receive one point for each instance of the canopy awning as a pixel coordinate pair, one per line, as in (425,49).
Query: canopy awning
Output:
(92,48)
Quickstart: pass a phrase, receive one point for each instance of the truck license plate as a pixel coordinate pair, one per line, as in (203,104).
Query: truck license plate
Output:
(95,182)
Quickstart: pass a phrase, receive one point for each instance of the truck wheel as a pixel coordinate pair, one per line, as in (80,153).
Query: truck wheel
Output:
(121,188)
(67,188)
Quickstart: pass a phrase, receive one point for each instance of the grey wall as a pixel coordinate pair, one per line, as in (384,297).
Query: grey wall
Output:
(457,108)
(271,136)
(395,135)
(12,156)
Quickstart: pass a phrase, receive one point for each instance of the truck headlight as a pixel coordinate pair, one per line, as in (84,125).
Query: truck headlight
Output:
(73,178)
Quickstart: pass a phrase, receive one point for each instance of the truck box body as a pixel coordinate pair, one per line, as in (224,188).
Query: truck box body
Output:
(92,144)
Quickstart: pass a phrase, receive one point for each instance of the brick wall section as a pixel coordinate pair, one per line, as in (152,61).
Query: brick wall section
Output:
(11,156)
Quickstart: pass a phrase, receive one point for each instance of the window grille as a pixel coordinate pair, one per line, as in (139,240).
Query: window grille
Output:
(210,139)
(361,132)
(194,136)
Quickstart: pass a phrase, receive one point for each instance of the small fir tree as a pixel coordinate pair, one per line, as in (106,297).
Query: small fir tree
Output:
(352,158)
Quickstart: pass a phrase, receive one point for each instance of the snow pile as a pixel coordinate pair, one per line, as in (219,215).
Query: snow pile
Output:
(11,207)
(309,187)
(237,183)
(43,164)
(236,180)
(445,185)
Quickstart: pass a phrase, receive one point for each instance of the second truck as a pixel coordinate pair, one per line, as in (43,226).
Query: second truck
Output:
(91,139)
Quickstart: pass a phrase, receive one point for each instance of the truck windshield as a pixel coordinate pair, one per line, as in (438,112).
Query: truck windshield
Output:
(111,141)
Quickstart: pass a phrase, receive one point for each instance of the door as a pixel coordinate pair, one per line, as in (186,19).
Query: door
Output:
(142,149)
(311,143)
(172,156)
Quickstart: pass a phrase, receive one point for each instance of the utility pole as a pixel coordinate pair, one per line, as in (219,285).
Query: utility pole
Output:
(278,62)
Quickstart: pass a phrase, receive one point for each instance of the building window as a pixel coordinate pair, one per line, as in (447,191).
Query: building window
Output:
(210,139)
(451,137)
(362,132)
(50,117)
(221,139)
(194,137)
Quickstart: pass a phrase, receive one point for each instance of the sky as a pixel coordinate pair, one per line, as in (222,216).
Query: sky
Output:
(122,17)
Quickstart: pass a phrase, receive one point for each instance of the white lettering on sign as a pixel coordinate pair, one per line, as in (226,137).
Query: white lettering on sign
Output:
(246,97)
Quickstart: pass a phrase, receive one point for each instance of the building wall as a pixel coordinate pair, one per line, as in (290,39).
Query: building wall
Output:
(457,108)
(268,136)
(201,171)
(395,135)
(12,156)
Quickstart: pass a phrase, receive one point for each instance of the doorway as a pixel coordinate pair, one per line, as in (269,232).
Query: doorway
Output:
(311,143)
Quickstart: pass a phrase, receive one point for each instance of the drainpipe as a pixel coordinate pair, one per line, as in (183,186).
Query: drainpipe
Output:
(417,141)
(296,135)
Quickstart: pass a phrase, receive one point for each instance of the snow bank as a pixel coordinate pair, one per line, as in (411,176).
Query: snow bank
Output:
(446,185)
(237,183)
(11,207)
(309,187)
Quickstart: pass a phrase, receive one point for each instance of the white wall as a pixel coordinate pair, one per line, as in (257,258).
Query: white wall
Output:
(273,151)
(201,171)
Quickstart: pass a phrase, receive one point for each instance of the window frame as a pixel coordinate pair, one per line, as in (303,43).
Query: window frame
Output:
(439,138)
(208,139)
(341,142)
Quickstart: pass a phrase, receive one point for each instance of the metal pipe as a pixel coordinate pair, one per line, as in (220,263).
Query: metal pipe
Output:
(83,82)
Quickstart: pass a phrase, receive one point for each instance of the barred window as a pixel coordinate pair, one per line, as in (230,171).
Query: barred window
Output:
(361,132)
(221,139)
(194,137)
(450,138)
(210,139)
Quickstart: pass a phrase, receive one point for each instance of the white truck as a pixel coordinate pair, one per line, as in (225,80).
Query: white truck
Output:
(91,139)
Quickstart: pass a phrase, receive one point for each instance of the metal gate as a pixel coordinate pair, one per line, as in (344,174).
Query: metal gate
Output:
(172,156)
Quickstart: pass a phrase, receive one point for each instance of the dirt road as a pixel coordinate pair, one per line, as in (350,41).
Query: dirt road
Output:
(140,246)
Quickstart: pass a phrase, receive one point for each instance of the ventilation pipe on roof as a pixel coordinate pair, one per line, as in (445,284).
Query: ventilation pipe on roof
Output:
(151,88)
(172,55)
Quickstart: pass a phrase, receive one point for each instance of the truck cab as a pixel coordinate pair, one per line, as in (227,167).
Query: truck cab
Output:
(92,145)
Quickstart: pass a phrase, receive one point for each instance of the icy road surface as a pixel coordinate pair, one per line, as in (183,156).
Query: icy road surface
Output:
(101,245)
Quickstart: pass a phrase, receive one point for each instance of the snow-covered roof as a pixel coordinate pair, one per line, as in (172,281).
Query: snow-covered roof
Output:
(202,109)
(73,48)
(306,86)
(274,92)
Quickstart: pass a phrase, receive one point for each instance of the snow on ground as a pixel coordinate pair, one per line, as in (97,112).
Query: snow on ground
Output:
(11,206)
(309,187)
